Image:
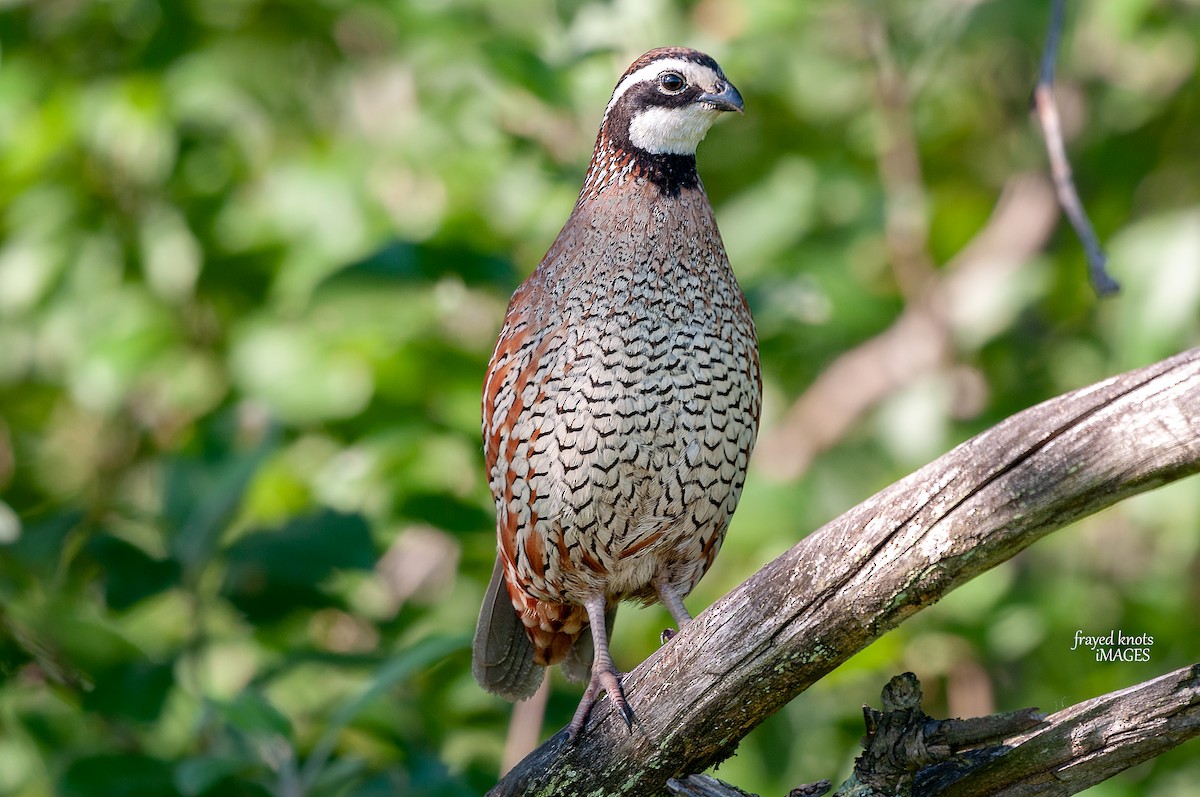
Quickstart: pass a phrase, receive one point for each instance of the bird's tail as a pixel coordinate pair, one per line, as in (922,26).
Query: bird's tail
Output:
(502,655)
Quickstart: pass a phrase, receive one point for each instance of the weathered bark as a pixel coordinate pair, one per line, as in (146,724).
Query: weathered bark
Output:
(903,742)
(1089,742)
(849,582)
(708,786)
(1018,754)
(703,786)
(1022,753)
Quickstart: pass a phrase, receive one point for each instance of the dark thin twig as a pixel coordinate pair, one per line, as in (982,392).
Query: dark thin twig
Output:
(1060,168)
(1053,36)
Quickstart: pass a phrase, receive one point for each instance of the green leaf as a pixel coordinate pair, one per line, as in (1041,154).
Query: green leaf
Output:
(202,493)
(117,775)
(134,690)
(197,775)
(251,714)
(334,779)
(400,668)
(270,573)
(42,543)
(446,511)
(131,574)
(402,262)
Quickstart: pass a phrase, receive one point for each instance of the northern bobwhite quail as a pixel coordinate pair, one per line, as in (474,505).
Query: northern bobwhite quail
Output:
(621,403)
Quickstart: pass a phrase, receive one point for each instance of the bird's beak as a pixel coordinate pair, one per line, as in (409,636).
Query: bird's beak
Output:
(728,100)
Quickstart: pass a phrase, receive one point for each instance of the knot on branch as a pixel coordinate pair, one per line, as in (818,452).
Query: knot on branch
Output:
(902,741)
(895,748)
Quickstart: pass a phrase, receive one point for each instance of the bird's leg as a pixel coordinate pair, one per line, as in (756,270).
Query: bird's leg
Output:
(605,676)
(671,598)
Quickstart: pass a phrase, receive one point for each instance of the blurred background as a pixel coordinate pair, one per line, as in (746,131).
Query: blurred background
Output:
(253,258)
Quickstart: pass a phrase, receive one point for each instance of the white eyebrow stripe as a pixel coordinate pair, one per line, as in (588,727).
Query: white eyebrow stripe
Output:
(695,73)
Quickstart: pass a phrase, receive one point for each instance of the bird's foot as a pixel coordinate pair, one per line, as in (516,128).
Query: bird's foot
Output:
(667,635)
(609,682)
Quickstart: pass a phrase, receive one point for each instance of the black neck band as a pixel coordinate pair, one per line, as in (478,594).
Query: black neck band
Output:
(671,173)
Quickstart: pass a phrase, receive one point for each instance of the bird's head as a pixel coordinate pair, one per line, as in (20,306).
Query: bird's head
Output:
(666,101)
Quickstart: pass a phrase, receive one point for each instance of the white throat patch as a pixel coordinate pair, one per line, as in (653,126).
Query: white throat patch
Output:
(671,131)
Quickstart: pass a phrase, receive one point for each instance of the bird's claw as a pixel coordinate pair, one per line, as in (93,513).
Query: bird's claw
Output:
(609,682)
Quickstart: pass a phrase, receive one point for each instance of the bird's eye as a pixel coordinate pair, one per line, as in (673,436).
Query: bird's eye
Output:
(672,82)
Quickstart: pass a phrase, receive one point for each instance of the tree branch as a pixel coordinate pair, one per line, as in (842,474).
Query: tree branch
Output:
(857,577)
(907,753)
(903,743)
(708,786)
(1046,108)
(1089,742)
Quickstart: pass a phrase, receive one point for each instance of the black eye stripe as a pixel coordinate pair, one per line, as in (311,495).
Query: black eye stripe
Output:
(650,94)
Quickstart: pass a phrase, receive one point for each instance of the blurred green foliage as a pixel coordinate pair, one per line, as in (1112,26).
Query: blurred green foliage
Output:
(253,256)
